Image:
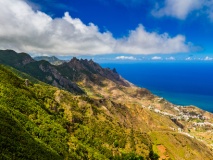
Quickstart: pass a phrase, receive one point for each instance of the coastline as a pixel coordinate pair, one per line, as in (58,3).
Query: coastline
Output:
(178,83)
(185,99)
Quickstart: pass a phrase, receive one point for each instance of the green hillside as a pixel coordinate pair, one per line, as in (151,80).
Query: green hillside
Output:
(35,126)
(39,121)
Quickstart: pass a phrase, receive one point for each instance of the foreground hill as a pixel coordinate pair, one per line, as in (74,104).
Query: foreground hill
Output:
(112,119)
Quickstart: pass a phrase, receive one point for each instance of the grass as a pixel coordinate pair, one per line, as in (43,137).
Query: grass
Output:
(43,122)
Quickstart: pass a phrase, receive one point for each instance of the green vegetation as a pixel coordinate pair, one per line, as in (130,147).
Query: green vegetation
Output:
(179,146)
(39,121)
(36,123)
(153,156)
(26,119)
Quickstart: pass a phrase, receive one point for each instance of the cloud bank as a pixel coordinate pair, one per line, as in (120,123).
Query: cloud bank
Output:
(171,58)
(125,58)
(156,58)
(207,58)
(26,30)
(181,9)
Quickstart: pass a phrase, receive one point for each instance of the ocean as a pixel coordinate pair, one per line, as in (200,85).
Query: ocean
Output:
(182,83)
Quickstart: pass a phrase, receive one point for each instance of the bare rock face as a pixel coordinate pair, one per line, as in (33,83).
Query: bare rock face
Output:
(49,78)
(65,75)
(58,80)
(26,58)
(42,70)
(84,69)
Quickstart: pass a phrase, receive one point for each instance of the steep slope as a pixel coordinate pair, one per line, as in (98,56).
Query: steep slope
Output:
(17,102)
(65,75)
(11,58)
(57,124)
(78,70)
(41,70)
(113,120)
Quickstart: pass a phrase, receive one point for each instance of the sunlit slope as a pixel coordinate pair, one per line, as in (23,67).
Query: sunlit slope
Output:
(98,115)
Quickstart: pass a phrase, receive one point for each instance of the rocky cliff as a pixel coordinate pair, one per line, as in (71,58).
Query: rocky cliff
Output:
(109,118)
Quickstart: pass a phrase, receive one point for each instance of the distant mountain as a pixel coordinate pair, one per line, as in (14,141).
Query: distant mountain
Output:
(102,116)
(66,75)
(78,70)
(53,60)
(42,70)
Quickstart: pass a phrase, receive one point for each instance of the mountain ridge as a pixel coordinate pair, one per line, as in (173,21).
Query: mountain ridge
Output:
(65,75)
(112,118)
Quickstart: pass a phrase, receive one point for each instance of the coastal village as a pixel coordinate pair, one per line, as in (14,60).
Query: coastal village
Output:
(191,121)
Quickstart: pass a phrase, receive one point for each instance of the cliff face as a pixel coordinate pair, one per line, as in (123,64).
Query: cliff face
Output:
(41,70)
(78,70)
(109,118)
(65,75)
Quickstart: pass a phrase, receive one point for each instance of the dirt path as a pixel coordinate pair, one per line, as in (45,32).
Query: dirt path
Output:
(162,152)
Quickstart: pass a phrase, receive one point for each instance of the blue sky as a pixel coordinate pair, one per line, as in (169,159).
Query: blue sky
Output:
(109,29)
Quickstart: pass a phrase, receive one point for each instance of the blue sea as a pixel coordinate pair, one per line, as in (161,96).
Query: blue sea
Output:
(182,83)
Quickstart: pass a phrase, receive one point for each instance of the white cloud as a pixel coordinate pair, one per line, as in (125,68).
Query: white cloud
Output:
(209,10)
(188,59)
(170,58)
(141,41)
(182,8)
(207,58)
(25,30)
(125,58)
(156,58)
(178,8)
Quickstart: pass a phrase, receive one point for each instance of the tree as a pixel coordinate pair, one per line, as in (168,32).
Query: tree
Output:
(153,156)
